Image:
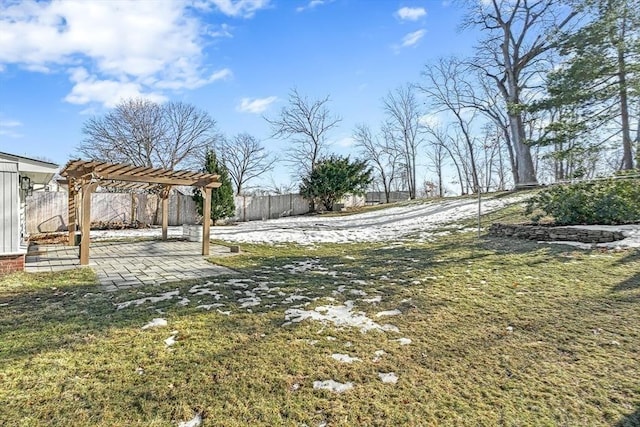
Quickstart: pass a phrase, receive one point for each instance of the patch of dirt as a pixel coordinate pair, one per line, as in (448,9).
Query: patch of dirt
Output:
(49,238)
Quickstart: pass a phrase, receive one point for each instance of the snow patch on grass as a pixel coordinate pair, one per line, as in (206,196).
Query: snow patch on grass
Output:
(210,306)
(201,290)
(162,297)
(196,421)
(332,385)
(339,315)
(377,355)
(395,312)
(251,300)
(301,266)
(390,328)
(387,225)
(155,323)
(403,341)
(171,340)
(344,358)
(388,378)
(292,298)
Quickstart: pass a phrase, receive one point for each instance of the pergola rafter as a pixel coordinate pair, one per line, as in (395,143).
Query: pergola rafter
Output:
(84,176)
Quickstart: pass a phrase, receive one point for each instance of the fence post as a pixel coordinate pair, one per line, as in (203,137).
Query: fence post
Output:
(178,206)
(479,210)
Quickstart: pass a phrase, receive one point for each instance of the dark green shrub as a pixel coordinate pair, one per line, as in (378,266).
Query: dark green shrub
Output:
(335,177)
(222,200)
(611,201)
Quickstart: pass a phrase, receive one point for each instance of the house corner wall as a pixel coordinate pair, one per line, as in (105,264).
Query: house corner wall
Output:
(11,263)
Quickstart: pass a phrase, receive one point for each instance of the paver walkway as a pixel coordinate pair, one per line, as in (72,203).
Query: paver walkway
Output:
(122,265)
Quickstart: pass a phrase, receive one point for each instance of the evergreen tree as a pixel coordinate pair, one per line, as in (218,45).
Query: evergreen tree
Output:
(335,177)
(222,201)
(599,80)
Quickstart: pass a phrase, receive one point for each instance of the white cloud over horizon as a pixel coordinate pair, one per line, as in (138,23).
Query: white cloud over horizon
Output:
(345,142)
(8,128)
(411,13)
(238,8)
(255,105)
(411,39)
(110,49)
(312,4)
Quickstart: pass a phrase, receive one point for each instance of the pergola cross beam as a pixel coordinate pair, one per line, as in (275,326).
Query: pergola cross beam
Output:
(83,177)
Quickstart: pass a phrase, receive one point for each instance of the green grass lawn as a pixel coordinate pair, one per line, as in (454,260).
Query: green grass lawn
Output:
(503,332)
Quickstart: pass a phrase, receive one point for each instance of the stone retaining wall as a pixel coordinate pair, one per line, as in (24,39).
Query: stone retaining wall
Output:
(545,233)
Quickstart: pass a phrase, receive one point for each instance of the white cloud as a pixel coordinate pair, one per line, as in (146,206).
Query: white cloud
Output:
(8,123)
(431,120)
(239,8)
(88,88)
(313,4)
(411,39)
(223,30)
(411,13)
(8,128)
(223,74)
(255,105)
(345,142)
(137,47)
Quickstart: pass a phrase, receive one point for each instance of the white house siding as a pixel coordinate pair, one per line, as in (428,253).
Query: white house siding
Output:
(9,208)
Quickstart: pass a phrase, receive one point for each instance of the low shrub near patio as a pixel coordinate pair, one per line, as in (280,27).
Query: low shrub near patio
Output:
(611,201)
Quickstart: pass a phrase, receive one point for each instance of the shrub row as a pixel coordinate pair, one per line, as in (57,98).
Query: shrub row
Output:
(610,201)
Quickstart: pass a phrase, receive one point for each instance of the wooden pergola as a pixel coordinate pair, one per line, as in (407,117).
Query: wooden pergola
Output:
(84,176)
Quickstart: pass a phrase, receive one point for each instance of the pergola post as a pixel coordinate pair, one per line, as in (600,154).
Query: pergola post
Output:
(71,217)
(91,174)
(164,194)
(206,220)
(87,189)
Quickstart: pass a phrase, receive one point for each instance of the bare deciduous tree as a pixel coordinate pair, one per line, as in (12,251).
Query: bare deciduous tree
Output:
(307,123)
(448,140)
(403,123)
(379,151)
(245,159)
(190,132)
(144,133)
(437,154)
(448,92)
(518,35)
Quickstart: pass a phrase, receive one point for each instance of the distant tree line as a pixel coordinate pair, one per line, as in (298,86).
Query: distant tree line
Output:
(551,93)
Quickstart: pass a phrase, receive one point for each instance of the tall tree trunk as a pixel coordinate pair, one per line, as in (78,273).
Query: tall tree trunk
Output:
(526,174)
(627,151)
(638,142)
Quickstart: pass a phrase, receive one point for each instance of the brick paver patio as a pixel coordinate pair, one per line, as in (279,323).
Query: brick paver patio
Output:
(121,265)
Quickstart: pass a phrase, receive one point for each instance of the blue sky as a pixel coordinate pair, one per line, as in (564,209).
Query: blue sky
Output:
(63,61)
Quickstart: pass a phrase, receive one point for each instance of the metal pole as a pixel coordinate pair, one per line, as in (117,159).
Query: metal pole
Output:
(479,210)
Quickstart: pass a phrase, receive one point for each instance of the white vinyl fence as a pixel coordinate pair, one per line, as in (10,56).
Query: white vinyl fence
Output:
(47,211)
(251,208)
